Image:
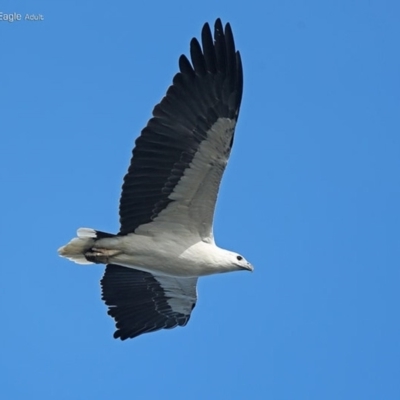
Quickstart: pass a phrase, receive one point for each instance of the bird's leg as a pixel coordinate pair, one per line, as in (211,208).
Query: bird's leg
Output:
(100,256)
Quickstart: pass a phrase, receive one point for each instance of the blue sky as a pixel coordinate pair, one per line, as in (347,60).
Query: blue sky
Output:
(311,197)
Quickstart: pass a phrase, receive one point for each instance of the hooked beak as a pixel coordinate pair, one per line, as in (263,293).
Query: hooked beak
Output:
(249,267)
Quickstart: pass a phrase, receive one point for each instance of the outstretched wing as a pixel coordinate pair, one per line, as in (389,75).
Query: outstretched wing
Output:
(141,302)
(179,159)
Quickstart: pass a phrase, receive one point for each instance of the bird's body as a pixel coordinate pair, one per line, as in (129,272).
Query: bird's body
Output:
(168,197)
(161,254)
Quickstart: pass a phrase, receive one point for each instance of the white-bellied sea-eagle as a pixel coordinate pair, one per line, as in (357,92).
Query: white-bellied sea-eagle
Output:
(167,204)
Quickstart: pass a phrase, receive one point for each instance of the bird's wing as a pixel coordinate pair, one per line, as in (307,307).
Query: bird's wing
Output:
(181,154)
(141,302)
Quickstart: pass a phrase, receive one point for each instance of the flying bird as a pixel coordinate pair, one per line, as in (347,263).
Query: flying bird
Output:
(166,241)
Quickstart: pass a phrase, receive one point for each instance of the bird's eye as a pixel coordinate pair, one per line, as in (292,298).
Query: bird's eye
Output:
(239,258)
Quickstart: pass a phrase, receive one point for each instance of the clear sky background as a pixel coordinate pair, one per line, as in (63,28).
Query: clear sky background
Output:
(311,197)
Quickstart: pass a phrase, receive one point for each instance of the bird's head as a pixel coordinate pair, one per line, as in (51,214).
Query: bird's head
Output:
(235,262)
(242,264)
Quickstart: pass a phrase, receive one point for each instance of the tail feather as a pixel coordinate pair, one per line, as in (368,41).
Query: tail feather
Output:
(86,233)
(75,250)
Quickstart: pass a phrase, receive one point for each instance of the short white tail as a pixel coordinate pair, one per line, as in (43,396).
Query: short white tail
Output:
(76,248)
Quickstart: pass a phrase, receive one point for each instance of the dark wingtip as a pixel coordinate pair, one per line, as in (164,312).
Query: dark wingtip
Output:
(218,24)
(206,28)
